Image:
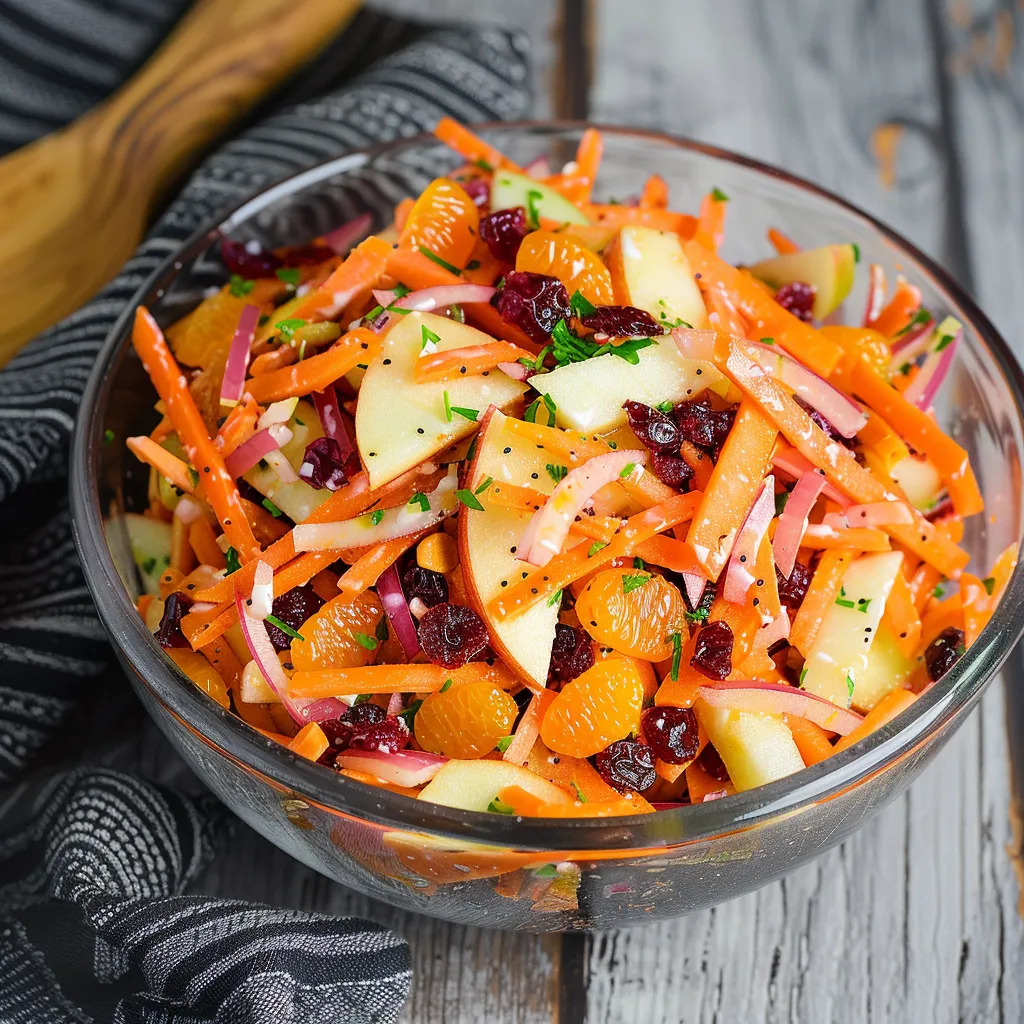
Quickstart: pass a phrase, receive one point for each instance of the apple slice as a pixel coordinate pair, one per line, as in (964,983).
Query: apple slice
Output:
(150,543)
(488,542)
(829,269)
(920,481)
(400,423)
(650,271)
(472,785)
(839,654)
(757,748)
(887,668)
(509,189)
(589,395)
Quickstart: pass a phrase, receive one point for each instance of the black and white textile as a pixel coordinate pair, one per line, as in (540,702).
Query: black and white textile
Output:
(95,925)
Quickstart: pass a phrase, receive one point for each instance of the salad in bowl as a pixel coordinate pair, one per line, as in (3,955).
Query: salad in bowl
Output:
(536,505)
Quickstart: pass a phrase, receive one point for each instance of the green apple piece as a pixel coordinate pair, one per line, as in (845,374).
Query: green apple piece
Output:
(887,668)
(757,748)
(150,543)
(839,654)
(920,481)
(509,189)
(829,269)
(472,785)
(589,395)
(653,269)
(297,499)
(400,423)
(488,540)
(169,494)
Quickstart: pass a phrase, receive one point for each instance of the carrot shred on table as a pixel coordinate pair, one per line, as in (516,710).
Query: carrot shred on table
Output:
(167,465)
(455,363)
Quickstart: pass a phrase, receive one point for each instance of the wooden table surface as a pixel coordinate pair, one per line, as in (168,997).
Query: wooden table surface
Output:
(912,109)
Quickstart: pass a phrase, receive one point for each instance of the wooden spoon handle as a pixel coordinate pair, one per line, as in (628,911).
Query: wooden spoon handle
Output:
(222,57)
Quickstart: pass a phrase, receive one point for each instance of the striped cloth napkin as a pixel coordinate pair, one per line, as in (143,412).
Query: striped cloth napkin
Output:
(95,922)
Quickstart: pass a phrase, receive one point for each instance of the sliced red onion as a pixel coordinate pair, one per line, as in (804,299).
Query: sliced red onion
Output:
(200,607)
(332,419)
(694,344)
(793,464)
(254,631)
(323,709)
(233,384)
(389,590)
(282,467)
(408,768)
(418,608)
(443,295)
(262,601)
(914,341)
(188,510)
(779,699)
(668,805)
(342,238)
(718,794)
(248,454)
(876,293)
(874,514)
(793,520)
(538,168)
(278,412)
(695,584)
(384,322)
(395,704)
(842,412)
(776,630)
(738,577)
(384,296)
(930,377)
(549,526)
(516,371)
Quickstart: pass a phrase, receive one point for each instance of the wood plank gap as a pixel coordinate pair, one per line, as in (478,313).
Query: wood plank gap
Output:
(571,995)
(575,49)
(957,255)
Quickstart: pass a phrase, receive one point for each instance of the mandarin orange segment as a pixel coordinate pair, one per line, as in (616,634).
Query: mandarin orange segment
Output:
(644,668)
(558,255)
(443,220)
(597,708)
(465,720)
(205,338)
(633,611)
(341,635)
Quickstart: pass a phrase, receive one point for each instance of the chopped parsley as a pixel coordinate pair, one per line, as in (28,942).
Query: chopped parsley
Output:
(108,436)
(557,473)
(285,628)
(699,614)
(665,407)
(922,316)
(473,265)
(530,413)
(634,581)
(369,642)
(579,792)
(538,363)
(290,275)
(547,871)
(427,337)
(287,328)
(939,591)
(240,287)
(803,675)
(849,685)
(780,502)
(434,258)
(376,517)
(639,563)
(989,583)
(232,560)
(381,632)
(194,476)
(595,547)
(410,712)
(483,487)
(580,305)
(471,454)
(419,498)
(843,601)
(469,414)
(447,407)
(549,404)
(944,342)
(446,686)
(503,744)
(497,806)
(856,252)
(555,598)
(272,508)
(569,348)
(469,499)
(483,165)
(626,470)
(677,654)
(862,604)
(767,341)
(532,213)
(718,195)
(148,565)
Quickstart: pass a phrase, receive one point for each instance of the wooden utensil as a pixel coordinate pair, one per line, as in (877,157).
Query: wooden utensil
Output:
(74,205)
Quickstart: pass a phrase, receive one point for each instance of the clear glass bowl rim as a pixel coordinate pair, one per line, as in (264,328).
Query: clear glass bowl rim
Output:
(933,712)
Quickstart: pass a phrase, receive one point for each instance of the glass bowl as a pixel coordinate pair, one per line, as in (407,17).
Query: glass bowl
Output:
(487,869)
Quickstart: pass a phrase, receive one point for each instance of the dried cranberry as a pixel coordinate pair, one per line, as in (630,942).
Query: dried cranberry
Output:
(452,634)
(323,464)
(672,470)
(479,190)
(671,733)
(169,633)
(798,298)
(249,265)
(712,655)
(306,255)
(366,726)
(703,425)
(711,761)
(504,231)
(534,303)
(655,431)
(429,586)
(943,508)
(293,608)
(944,652)
(793,591)
(622,322)
(571,654)
(627,765)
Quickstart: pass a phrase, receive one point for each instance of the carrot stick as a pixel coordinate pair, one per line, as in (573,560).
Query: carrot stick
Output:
(923,433)
(265,527)
(899,311)
(417,271)
(766,316)
(238,426)
(162,430)
(367,569)
(528,729)
(856,538)
(204,544)
(588,160)
(471,146)
(901,616)
(711,222)
(317,372)
(402,211)
(701,783)
(612,215)
(468,361)
(275,359)
(654,195)
(732,488)
(892,704)
(784,245)
(570,565)
(359,272)
(419,678)
(974,603)
(699,462)
(527,500)
(676,555)
(721,306)
(682,691)
(922,585)
(167,465)
(821,595)
(309,742)
(181,553)
(170,384)
(949,612)
(811,740)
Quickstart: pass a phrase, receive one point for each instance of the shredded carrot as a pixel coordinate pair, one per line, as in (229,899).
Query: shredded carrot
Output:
(223,660)
(276,359)
(811,740)
(821,595)
(265,527)
(944,614)
(570,565)
(675,555)
(700,462)
(900,309)
(527,500)
(901,616)
(314,374)
(702,783)
(613,215)
(528,728)
(182,558)
(170,384)
(974,603)
(892,704)
(922,585)
(357,275)
(588,160)
(238,426)
(732,488)
(167,465)
(856,538)
(783,244)
(723,309)
(309,742)
(467,362)
(204,543)
(366,571)
(402,211)
(654,195)
(417,678)
(472,147)
(766,316)
(711,222)
(681,692)
(162,430)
